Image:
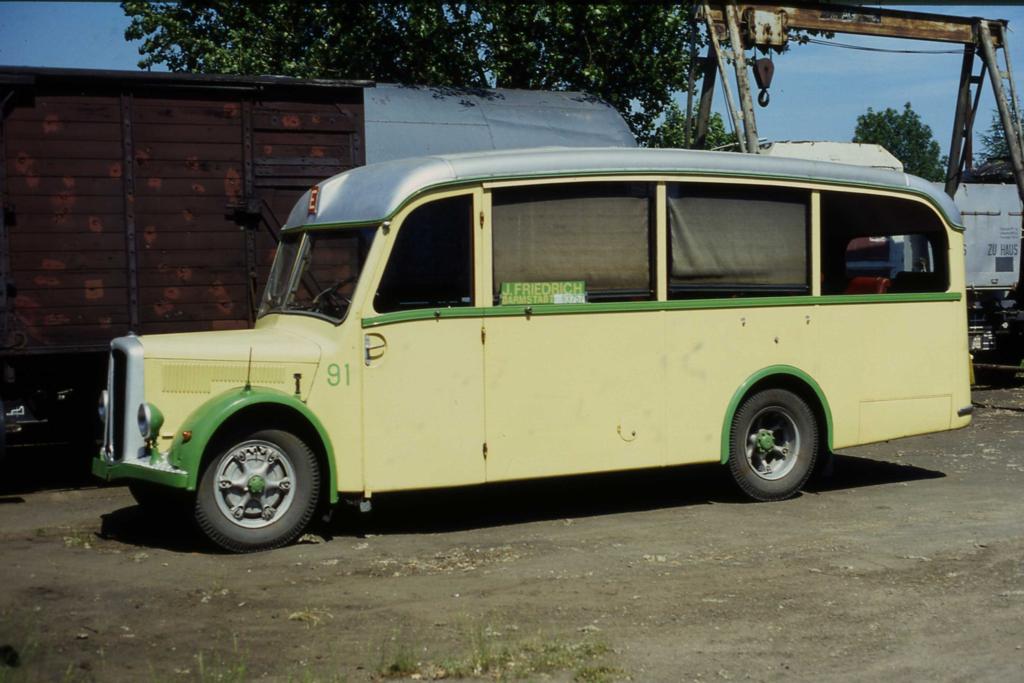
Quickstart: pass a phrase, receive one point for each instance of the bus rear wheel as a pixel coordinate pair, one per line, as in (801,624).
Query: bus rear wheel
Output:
(774,443)
(258,493)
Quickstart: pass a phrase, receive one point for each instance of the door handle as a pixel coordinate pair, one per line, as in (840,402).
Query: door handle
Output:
(374,346)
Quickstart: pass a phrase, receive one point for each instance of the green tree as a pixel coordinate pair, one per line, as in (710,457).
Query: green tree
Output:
(632,55)
(907,137)
(672,131)
(993,143)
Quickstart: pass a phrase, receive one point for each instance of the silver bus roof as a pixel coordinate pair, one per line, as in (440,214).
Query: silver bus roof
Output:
(374,193)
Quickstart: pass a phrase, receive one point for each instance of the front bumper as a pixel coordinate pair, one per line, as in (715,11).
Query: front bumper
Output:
(124,470)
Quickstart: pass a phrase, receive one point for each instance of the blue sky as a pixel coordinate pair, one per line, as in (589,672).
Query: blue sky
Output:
(817,93)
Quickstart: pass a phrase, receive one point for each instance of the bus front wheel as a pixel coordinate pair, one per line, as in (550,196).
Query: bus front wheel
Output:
(774,442)
(258,493)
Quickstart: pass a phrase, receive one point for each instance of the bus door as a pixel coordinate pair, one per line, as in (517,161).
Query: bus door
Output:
(423,380)
(573,363)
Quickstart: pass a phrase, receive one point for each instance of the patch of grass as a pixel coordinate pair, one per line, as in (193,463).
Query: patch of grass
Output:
(216,668)
(308,676)
(310,617)
(397,659)
(208,667)
(596,674)
(486,656)
(79,539)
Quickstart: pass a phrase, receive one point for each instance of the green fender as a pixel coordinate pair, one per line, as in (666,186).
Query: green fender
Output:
(204,421)
(770,371)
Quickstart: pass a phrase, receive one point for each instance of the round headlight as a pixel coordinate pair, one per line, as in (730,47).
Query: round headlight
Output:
(150,421)
(104,405)
(145,420)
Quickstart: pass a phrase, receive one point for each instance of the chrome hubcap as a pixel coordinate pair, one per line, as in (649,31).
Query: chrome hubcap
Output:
(773,443)
(254,484)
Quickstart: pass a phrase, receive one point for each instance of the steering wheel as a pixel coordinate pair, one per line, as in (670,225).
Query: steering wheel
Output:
(329,295)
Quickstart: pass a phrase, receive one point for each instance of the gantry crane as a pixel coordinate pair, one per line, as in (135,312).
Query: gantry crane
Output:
(768,26)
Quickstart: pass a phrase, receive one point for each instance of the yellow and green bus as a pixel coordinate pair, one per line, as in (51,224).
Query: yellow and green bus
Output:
(463,319)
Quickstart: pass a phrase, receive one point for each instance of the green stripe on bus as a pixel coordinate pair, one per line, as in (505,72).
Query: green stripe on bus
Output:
(639,306)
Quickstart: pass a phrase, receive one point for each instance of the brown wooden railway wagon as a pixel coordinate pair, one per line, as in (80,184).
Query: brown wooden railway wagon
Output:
(145,203)
(150,202)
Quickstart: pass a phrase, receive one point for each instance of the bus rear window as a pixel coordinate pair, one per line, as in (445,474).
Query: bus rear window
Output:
(878,245)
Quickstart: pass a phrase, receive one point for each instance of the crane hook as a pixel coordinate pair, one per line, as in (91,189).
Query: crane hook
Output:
(764,69)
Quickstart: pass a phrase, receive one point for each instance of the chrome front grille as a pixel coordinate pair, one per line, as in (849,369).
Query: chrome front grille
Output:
(121,438)
(117,390)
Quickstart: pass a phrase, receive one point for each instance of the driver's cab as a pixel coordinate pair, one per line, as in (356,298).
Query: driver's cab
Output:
(403,296)
(429,266)
(315,272)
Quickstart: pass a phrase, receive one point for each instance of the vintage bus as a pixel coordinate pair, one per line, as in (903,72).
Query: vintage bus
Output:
(464,319)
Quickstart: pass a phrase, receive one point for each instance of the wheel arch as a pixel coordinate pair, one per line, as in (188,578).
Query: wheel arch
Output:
(237,411)
(779,377)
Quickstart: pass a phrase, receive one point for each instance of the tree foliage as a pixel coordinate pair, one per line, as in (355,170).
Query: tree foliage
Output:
(633,55)
(906,136)
(993,143)
(672,132)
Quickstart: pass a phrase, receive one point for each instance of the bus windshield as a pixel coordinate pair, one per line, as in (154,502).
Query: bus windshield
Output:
(315,273)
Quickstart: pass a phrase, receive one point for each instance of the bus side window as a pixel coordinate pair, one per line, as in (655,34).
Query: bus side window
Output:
(878,245)
(573,243)
(431,264)
(737,240)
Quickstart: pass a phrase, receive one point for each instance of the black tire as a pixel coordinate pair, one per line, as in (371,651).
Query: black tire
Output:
(773,444)
(218,501)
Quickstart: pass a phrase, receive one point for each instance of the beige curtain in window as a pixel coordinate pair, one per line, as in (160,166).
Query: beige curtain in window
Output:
(737,237)
(562,232)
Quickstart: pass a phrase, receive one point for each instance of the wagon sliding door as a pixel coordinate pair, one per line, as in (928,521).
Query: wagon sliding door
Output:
(213,178)
(189,263)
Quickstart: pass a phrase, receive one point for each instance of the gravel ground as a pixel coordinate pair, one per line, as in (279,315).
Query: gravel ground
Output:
(907,563)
